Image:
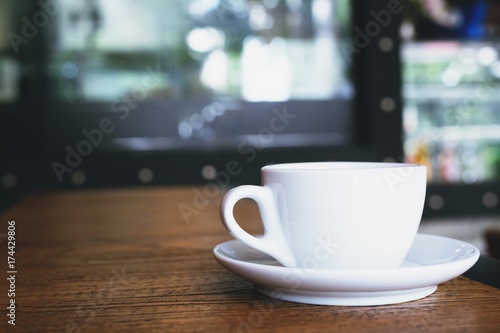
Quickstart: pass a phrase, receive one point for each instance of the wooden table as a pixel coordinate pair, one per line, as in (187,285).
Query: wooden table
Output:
(130,261)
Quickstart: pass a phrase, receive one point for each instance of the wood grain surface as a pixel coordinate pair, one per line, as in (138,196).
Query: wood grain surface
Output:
(140,260)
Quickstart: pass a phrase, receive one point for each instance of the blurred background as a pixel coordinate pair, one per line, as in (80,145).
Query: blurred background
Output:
(451,73)
(97,93)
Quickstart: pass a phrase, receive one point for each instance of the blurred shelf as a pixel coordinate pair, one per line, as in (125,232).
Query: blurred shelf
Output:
(460,133)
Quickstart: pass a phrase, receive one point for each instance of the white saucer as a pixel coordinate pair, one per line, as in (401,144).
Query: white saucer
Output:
(431,260)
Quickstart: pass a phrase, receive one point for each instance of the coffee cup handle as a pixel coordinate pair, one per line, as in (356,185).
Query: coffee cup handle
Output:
(273,242)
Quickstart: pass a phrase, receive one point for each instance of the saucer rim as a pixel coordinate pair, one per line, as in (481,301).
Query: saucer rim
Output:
(342,280)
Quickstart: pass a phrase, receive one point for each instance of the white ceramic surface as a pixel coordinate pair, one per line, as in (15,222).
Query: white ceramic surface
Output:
(431,260)
(337,215)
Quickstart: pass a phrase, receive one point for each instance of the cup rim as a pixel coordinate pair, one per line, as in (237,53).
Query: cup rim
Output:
(339,166)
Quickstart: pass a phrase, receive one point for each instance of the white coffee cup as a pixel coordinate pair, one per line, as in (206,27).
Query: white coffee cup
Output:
(334,215)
